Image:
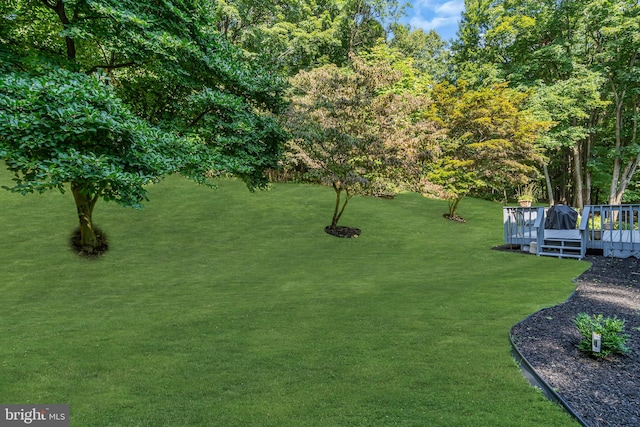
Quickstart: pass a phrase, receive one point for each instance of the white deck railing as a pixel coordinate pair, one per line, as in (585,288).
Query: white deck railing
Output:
(612,228)
(519,224)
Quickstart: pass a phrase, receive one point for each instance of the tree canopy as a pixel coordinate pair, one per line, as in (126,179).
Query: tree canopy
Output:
(590,46)
(109,96)
(358,130)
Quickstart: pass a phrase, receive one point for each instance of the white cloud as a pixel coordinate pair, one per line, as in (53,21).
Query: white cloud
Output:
(434,23)
(450,8)
(439,15)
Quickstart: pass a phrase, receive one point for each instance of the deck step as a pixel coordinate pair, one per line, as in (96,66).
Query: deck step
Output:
(561,248)
(555,246)
(561,255)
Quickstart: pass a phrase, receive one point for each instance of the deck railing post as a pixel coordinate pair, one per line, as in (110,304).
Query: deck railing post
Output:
(539,227)
(585,233)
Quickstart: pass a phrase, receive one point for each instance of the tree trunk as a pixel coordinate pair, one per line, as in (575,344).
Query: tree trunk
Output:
(453,206)
(577,174)
(547,180)
(621,179)
(588,178)
(337,211)
(85,204)
(59,8)
(617,161)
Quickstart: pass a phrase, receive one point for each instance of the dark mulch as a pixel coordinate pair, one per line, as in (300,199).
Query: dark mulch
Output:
(454,218)
(341,231)
(89,252)
(602,392)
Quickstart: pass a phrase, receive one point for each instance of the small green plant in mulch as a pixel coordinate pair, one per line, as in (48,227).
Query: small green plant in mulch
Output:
(613,339)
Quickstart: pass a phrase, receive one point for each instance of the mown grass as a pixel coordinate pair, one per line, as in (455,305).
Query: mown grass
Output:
(231,308)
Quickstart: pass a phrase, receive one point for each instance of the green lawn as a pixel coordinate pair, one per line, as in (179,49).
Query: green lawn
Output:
(231,308)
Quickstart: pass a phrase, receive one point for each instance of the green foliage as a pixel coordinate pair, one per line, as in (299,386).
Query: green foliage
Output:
(169,65)
(491,140)
(63,127)
(611,329)
(110,96)
(354,128)
(568,104)
(428,51)
(528,192)
(581,57)
(595,222)
(473,59)
(301,35)
(456,177)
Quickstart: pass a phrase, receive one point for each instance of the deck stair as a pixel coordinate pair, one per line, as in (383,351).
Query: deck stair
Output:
(562,244)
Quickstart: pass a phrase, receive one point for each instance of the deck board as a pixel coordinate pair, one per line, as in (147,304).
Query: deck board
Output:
(623,236)
(562,234)
(549,234)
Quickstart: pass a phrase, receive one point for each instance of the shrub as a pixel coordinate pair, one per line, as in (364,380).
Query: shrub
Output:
(612,340)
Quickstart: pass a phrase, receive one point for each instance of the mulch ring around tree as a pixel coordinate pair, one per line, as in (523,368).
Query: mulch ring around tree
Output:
(454,218)
(341,231)
(86,251)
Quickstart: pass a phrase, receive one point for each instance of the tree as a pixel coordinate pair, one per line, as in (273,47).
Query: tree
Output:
(365,22)
(110,96)
(402,115)
(545,43)
(429,52)
(473,59)
(289,35)
(491,141)
(614,29)
(572,105)
(304,34)
(63,127)
(353,132)
(331,134)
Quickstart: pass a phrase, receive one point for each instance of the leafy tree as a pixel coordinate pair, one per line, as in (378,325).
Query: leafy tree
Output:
(289,35)
(353,131)
(331,136)
(402,114)
(545,43)
(473,60)
(614,27)
(572,105)
(455,177)
(364,22)
(110,96)
(429,52)
(63,127)
(304,34)
(491,140)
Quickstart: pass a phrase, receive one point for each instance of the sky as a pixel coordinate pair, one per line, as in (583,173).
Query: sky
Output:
(439,15)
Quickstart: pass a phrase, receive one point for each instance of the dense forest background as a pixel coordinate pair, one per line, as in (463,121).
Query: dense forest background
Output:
(534,97)
(570,67)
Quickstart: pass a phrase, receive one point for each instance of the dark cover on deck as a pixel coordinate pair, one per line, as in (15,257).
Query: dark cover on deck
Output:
(561,217)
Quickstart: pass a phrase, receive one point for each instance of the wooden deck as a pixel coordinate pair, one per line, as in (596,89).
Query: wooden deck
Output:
(610,228)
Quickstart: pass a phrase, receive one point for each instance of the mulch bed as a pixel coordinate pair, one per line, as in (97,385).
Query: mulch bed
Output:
(603,392)
(341,231)
(88,252)
(454,218)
